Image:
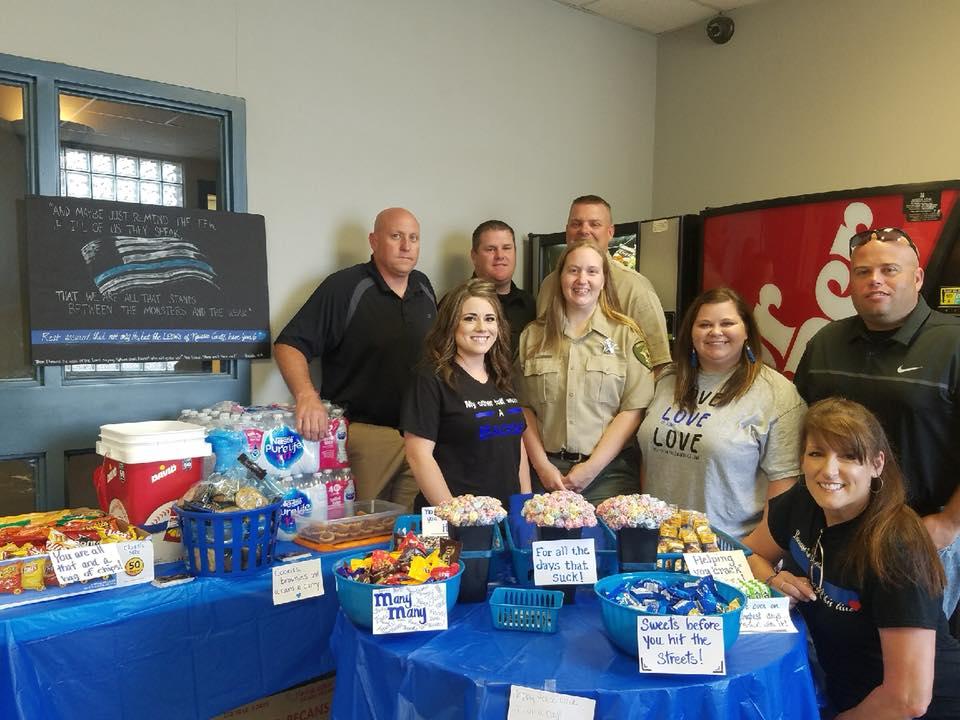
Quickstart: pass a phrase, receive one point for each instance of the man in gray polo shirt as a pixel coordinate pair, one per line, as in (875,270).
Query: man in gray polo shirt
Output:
(900,359)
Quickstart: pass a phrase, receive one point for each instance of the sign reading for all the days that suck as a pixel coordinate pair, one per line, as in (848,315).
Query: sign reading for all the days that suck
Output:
(564,562)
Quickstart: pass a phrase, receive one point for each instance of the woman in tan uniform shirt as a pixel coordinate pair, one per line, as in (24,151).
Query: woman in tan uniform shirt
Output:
(584,379)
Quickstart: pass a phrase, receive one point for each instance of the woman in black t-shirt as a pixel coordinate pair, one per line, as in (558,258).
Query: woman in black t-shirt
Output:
(461,420)
(863,570)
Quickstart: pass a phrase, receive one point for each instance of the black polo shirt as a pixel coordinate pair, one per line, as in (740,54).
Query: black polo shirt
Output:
(368,339)
(910,379)
(521,309)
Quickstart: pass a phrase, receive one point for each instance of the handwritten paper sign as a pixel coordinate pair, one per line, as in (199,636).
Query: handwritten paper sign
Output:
(681,644)
(412,608)
(729,566)
(85,563)
(297,581)
(564,562)
(431,525)
(767,615)
(529,704)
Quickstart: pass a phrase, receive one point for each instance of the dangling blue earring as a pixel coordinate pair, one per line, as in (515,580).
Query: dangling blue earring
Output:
(693,359)
(750,356)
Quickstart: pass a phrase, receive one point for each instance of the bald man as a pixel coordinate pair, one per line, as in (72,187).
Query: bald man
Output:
(366,325)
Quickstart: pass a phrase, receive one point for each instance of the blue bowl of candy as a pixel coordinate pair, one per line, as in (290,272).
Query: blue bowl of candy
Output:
(638,596)
(356,598)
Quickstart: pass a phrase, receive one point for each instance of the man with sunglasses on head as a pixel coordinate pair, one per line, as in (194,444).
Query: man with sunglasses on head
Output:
(901,360)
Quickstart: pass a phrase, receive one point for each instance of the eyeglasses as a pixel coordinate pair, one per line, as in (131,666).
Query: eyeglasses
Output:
(888,234)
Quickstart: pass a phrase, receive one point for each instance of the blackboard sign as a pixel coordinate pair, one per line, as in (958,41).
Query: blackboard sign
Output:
(111,281)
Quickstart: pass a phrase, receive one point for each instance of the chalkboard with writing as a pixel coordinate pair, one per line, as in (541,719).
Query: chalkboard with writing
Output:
(111,281)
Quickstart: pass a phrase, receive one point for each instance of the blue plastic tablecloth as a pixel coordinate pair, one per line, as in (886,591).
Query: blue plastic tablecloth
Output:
(467,671)
(188,651)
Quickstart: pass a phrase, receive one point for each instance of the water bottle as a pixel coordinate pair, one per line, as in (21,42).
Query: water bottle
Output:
(336,501)
(340,437)
(317,492)
(349,491)
(292,507)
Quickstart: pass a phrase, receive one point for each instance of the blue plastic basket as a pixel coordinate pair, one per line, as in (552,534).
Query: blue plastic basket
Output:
(521,554)
(229,543)
(674,562)
(526,609)
(356,598)
(620,621)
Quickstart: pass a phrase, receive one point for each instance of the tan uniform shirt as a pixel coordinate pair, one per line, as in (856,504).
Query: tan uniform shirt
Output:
(638,300)
(576,393)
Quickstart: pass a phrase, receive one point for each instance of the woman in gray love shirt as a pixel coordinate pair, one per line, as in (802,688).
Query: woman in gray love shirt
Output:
(722,433)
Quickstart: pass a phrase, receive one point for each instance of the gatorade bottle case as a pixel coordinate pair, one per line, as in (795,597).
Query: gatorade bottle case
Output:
(146,467)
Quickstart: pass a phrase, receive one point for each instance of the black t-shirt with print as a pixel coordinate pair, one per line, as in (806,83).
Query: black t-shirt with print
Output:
(845,618)
(476,429)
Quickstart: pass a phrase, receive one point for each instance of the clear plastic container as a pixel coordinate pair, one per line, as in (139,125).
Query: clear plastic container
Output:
(370,518)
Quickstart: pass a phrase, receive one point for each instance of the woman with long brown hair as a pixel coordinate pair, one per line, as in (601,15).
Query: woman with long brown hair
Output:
(721,433)
(584,380)
(461,422)
(864,571)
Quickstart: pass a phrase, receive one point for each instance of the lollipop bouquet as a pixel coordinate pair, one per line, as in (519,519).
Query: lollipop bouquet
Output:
(636,519)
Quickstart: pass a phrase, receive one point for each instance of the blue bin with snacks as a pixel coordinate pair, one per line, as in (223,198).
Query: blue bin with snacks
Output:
(673,561)
(620,621)
(356,598)
(521,534)
(496,555)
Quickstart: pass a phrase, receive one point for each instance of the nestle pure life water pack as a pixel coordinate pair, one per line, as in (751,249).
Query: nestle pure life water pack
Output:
(284,452)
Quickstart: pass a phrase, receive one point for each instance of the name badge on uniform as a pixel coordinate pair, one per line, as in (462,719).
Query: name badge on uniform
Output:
(609,347)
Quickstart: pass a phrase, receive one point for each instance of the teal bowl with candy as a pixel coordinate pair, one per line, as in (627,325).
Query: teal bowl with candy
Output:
(627,596)
(356,598)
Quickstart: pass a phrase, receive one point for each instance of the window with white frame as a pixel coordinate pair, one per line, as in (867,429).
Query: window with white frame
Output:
(124,178)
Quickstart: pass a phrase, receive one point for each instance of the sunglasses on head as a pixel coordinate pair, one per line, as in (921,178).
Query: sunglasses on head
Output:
(889,234)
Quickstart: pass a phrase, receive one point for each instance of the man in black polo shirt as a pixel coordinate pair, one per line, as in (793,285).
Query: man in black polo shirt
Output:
(494,257)
(900,359)
(366,324)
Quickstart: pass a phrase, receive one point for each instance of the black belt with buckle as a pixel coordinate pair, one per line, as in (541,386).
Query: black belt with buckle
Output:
(568,456)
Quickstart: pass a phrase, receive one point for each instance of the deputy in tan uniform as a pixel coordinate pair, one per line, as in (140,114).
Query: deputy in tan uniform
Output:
(591,219)
(584,379)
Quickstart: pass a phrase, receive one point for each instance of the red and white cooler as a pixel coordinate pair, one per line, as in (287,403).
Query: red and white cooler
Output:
(146,467)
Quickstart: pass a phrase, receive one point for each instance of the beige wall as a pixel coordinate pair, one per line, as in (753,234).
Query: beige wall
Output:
(458,109)
(807,97)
